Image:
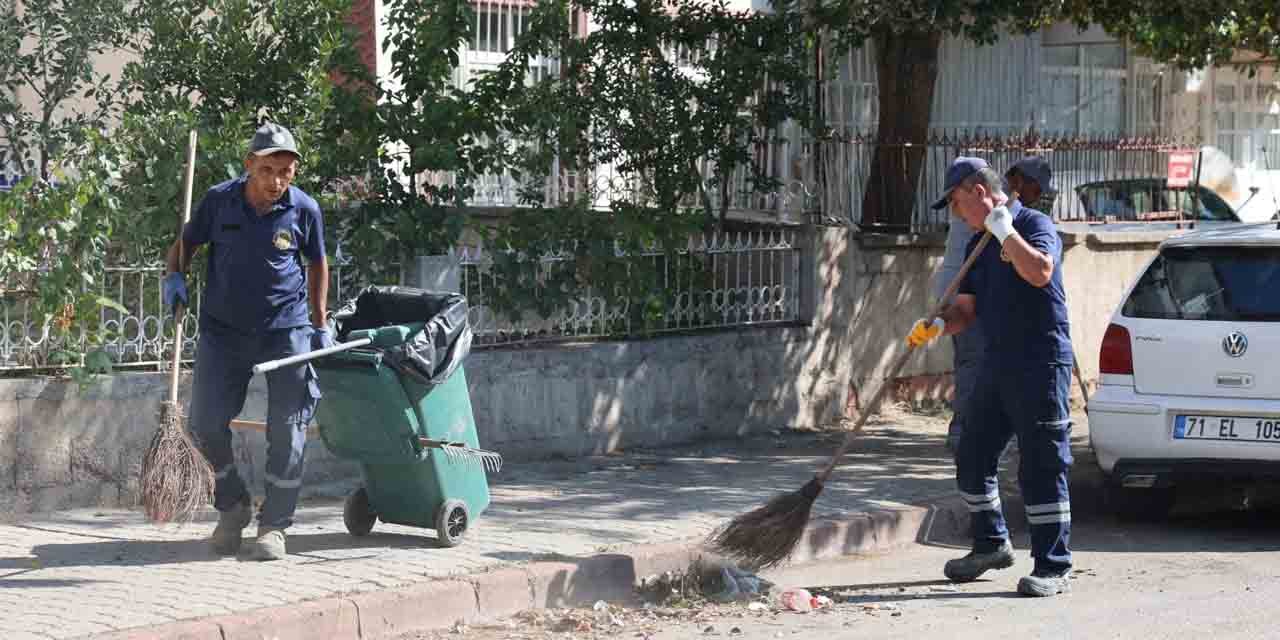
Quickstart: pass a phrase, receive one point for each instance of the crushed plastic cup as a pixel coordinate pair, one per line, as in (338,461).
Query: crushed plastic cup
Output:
(798,600)
(801,600)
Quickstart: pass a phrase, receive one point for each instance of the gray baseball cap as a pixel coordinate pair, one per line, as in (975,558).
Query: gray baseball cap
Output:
(272,138)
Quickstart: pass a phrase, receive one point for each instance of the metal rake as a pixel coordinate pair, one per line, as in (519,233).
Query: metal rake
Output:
(460,452)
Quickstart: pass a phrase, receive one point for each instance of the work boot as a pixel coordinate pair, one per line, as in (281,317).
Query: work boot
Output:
(231,523)
(1042,584)
(269,545)
(970,567)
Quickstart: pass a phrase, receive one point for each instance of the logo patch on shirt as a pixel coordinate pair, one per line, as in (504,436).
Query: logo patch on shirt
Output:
(283,240)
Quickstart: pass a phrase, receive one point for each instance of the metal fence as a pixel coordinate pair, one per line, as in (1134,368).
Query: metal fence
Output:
(748,278)
(138,334)
(1075,161)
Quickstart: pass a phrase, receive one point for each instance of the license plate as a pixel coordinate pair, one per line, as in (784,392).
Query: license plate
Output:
(1239,428)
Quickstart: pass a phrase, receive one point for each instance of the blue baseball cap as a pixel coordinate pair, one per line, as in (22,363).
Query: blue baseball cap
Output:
(962,167)
(1036,168)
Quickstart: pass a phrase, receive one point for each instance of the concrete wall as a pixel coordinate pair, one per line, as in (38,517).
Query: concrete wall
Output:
(64,446)
(61,446)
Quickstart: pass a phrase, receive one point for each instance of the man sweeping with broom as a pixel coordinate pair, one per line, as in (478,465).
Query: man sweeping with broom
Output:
(260,303)
(1015,292)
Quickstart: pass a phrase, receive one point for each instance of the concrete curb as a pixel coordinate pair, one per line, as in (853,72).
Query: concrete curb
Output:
(612,576)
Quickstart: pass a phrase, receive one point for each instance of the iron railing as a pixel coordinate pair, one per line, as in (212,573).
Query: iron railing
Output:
(137,334)
(1075,161)
(746,278)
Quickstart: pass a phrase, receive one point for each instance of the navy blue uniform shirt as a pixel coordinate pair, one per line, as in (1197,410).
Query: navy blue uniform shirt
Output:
(1023,324)
(256,280)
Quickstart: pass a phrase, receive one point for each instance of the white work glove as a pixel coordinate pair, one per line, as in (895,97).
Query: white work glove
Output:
(1000,223)
(922,333)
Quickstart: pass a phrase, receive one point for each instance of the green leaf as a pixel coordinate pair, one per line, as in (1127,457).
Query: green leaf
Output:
(98,361)
(102,301)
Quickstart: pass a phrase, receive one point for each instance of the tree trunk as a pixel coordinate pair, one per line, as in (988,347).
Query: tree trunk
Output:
(906,71)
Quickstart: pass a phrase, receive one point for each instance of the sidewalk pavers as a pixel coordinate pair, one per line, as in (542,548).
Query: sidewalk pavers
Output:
(557,531)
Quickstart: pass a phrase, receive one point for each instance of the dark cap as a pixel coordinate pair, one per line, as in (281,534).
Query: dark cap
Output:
(1035,168)
(272,138)
(962,167)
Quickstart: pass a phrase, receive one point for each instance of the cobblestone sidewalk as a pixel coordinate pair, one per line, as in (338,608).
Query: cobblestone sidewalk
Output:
(79,573)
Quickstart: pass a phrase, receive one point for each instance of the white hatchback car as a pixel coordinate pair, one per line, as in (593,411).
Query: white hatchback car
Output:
(1189,389)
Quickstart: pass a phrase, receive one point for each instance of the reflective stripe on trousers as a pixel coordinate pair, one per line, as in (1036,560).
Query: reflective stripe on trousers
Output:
(1031,403)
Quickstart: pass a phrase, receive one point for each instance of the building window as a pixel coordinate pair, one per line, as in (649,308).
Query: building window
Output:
(1084,89)
(1246,117)
(498,24)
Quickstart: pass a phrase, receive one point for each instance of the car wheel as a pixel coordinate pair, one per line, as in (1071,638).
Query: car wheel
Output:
(1139,504)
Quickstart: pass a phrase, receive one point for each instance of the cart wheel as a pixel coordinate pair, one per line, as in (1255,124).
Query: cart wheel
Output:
(357,514)
(452,521)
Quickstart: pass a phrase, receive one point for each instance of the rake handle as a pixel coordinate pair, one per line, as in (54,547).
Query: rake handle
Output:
(272,365)
(902,358)
(180,311)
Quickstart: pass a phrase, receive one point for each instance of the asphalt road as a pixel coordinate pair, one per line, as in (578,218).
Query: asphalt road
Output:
(1212,570)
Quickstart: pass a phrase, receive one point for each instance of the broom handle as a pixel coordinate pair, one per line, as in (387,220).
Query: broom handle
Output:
(902,358)
(1084,388)
(179,311)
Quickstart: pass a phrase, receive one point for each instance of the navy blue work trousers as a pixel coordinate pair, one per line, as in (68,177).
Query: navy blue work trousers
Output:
(1031,402)
(968,348)
(224,366)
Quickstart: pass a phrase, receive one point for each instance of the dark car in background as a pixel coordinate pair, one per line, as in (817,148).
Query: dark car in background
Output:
(1151,200)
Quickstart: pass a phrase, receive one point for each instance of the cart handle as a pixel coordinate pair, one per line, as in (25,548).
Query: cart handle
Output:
(272,365)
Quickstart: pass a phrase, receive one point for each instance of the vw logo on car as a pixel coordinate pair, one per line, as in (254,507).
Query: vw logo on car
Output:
(1235,344)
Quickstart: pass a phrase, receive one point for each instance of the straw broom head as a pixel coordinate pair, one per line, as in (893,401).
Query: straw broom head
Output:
(176,480)
(767,536)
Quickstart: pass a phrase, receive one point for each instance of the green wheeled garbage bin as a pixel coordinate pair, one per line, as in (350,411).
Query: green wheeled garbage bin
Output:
(400,406)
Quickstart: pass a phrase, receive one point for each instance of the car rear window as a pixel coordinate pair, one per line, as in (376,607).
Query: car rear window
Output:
(1209,283)
(1148,200)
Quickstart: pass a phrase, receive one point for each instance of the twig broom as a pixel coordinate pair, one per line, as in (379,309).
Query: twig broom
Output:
(176,479)
(768,535)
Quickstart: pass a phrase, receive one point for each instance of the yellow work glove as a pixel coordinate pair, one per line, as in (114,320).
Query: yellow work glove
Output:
(922,333)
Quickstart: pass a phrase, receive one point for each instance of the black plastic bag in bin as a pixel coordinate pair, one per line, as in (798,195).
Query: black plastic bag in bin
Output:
(430,356)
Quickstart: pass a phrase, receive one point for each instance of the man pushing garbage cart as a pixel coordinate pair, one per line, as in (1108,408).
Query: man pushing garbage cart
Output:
(264,297)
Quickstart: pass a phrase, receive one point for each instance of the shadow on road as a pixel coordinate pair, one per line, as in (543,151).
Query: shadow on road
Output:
(855,594)
(133,553)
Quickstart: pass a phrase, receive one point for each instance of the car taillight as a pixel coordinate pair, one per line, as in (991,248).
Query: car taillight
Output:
(1117,352)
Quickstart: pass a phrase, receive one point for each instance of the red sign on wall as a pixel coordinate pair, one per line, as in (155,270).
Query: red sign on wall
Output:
(1181,166)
